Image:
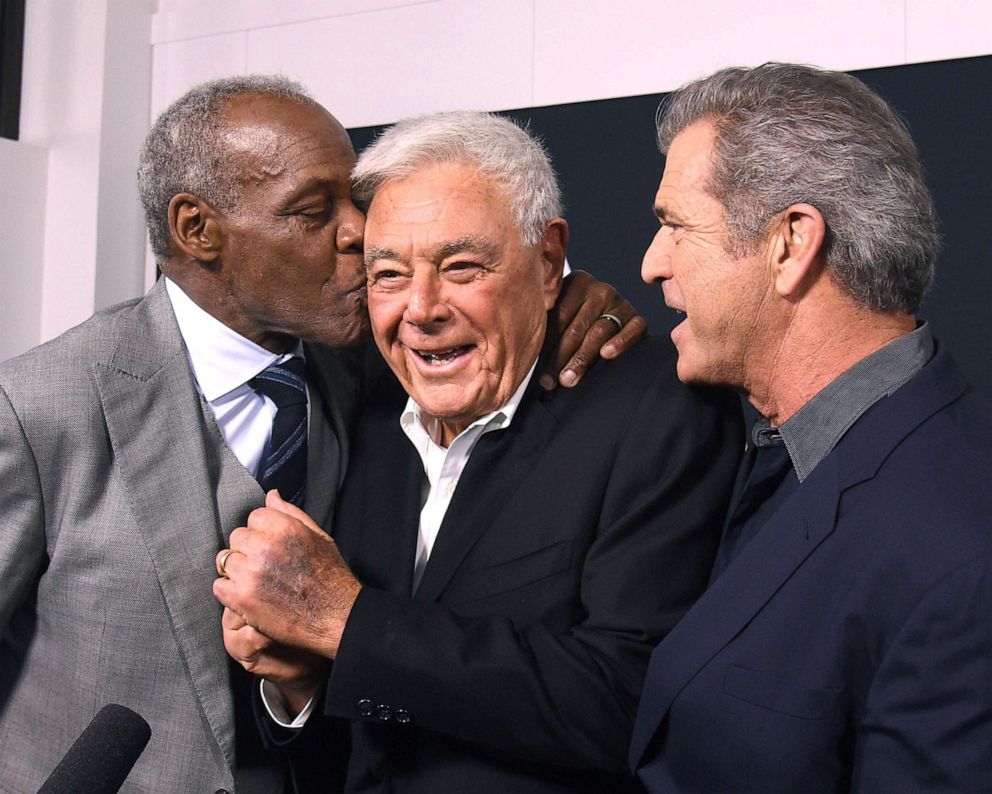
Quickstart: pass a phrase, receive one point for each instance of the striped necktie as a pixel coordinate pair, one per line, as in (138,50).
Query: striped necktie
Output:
(284,461)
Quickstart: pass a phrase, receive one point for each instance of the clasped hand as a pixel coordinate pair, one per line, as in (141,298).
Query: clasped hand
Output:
(287,594)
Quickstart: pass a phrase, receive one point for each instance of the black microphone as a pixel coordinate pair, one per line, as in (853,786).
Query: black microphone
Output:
(103,755)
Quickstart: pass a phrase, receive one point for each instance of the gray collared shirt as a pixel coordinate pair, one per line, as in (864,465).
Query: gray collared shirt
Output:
(815,429)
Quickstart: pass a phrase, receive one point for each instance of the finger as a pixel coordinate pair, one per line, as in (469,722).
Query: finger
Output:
(572,317)
(231,620)
(224,559)
(630,329)
(246,645)
(569,343)
(587,353)
(631,333)
(239,537)
(226,592)
(276,502)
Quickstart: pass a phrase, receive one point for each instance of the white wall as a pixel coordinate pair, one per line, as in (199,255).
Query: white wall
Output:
(22,237)
(85,98)
(97,71)
(374,61)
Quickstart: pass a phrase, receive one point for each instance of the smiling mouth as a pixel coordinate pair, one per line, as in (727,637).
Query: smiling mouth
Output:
(438,357)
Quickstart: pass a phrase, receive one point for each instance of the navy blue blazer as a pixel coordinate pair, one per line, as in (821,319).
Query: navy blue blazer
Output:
(577,537)
(849,646)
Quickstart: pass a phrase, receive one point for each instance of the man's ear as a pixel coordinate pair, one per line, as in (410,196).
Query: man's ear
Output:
(797,241)
(554,245)
(196,228)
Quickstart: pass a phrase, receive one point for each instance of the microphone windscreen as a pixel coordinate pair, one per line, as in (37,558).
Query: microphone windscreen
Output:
(101,758)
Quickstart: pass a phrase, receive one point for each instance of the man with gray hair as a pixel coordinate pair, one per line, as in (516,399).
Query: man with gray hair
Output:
(844,643)
(504,559)
(131,445)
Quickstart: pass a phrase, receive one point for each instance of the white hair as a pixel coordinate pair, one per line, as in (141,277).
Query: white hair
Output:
(502,151)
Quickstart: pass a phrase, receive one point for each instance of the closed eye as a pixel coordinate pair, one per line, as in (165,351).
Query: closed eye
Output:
(321,210)
(385,277)
(462,271)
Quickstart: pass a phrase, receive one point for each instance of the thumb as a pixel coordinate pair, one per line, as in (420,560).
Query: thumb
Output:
(276,502)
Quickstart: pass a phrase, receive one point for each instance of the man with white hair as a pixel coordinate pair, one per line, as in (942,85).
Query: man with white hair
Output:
(507,556)
(131,445)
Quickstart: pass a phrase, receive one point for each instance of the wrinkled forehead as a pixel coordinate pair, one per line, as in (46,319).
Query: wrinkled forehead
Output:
(266,136)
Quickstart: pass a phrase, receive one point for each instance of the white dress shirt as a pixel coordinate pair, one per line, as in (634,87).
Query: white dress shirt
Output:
(444,467)
(223,361)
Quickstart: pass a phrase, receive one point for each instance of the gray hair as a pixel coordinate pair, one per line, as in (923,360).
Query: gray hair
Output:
(496,146)
(184,151)
(787,134)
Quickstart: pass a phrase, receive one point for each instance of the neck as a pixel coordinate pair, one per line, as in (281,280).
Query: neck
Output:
(815,349)
(225,308)
(448,431)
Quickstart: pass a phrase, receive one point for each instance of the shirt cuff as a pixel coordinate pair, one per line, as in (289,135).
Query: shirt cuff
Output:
(275,705)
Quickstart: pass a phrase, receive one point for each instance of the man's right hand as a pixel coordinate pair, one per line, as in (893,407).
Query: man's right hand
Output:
(298,674)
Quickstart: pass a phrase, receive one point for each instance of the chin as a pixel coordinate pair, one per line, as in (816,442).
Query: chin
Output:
(688,373)
(345,332)
(445,410)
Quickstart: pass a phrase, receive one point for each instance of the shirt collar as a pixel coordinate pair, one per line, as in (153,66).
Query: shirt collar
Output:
(813,431)
(220,357)
(413,425)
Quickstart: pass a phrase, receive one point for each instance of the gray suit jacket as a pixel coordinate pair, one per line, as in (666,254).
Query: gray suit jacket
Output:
(116,491)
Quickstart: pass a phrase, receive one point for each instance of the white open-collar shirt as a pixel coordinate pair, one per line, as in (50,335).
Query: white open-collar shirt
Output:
(223,361)
(444,466)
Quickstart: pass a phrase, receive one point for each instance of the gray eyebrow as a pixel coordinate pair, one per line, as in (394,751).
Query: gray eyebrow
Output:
(468,244)
(374,254)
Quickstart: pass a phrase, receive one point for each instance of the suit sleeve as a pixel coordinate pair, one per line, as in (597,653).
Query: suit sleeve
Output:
(22,526)
(565,697)
(928,717)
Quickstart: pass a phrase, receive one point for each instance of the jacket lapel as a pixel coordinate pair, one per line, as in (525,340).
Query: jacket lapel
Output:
(755,575)
(333,403)
(801,524)
(159,435)
(500,460)
(381,542)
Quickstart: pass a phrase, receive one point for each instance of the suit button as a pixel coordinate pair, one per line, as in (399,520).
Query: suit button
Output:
(402,716)
(384,713)
(366,708)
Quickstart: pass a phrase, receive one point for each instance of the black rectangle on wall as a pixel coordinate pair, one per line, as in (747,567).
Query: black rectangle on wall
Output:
(609,168)
(11,56)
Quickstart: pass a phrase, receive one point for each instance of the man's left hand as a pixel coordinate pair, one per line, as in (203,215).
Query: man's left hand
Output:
(285,577)
(586,331)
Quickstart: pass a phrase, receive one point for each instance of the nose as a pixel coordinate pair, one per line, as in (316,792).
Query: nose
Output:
(657,262)
(351,232)
(426,305)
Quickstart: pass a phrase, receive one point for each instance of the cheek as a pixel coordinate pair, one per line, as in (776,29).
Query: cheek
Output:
(696,273)
(385,314)
(517,329)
